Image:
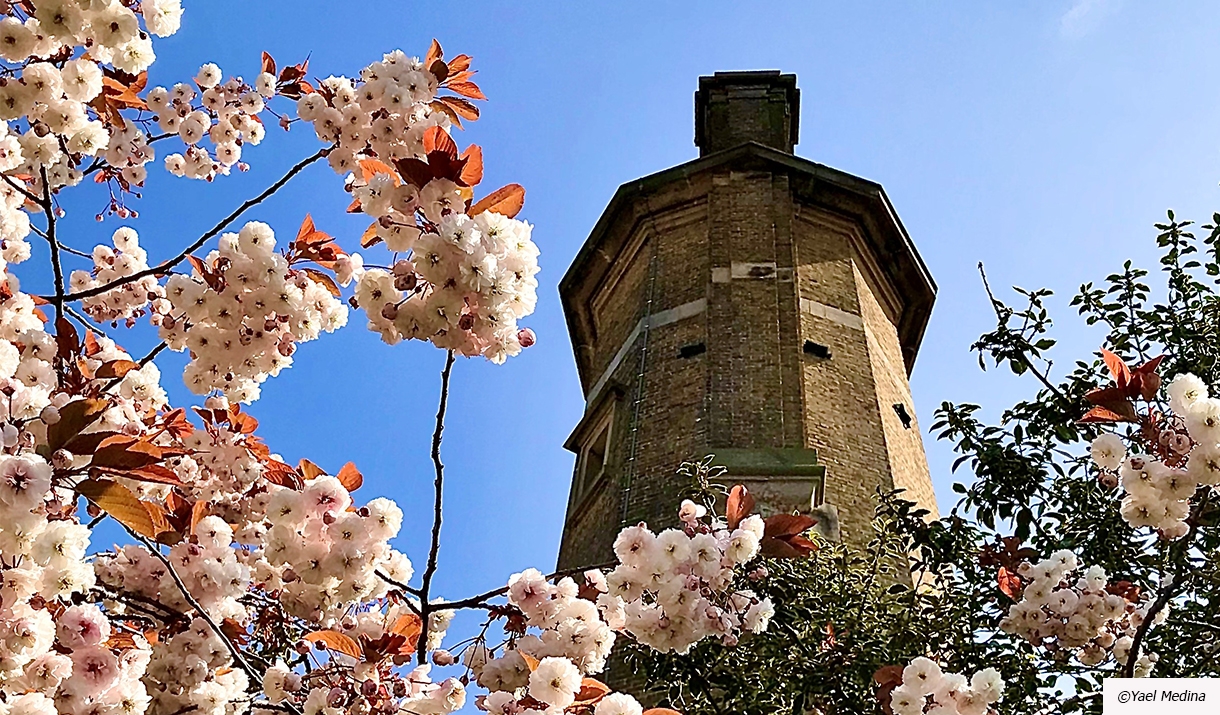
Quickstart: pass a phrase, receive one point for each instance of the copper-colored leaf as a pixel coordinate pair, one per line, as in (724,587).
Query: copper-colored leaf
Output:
(461,107)
(198,511)
(740,504)
(472,172)
(67,338)
(661,711)
(467,89)
(118,501)
(120,454)
(1118,368)
(370,237)
(1104,415)
(530,661)
(783,536)
(372,167)
(92,346)
(324,280)
(309,470)
(306,229)
(461,63)
(336,641)
(268,63)
(434,53)
(1009,583)
(74,417)
(409,626)
(506,201)
(437,139)
(116,368)
(350,477)
(591,691)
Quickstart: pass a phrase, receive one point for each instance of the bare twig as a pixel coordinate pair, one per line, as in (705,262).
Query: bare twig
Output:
(438,485)
(163,268)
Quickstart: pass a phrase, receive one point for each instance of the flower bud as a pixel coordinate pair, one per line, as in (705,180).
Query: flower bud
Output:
(9,435)
(389,311)
(526,337)
(368,688)
(443,657)
(303,647)
(61,459)
(49,414)
(336,697)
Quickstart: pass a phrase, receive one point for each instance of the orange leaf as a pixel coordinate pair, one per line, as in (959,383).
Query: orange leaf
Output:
(466,89)
(268,63)
(1103,415)
(372,167)
(472,172)
(506,201)
(336,641)
(434,53)
(350,477)
(530,660)
(591,691)
(461,63)
(118,501)
(437,139)
(1009,583)
(323,280)
(1118,368)
(370,237)
(307,227)
(740,504)
(92,346)
(114,368)
(661,711)
(461,107)
(310,470)
(198,511)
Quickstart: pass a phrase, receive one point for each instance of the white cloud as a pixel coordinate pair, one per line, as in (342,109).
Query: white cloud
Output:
(1083,16)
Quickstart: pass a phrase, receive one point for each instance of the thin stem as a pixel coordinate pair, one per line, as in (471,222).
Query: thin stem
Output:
(84,320)
(163,268)
(234,651)
(48,206)
(438,488)
(142,362)
(481,600)
(1180,578)
(21,189)
(996,305)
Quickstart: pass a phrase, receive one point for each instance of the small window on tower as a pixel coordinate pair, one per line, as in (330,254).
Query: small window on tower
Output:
(593,458)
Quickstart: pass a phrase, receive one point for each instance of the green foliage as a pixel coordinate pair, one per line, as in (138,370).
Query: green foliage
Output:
(843,614)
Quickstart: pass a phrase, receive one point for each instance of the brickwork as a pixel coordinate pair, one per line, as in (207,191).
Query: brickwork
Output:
(741,258)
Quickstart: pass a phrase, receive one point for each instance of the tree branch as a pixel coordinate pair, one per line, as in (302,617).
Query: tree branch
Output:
(438,484)
(48,206)
(480,601)
(140,364)
(163,268)
(996,305)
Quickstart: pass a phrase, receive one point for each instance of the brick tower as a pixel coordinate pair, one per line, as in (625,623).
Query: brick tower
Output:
(749,304)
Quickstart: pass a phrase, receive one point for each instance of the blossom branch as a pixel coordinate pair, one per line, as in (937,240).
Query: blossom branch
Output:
(163,268)
(480,601)
(49,207)
(425,606)
(234,651)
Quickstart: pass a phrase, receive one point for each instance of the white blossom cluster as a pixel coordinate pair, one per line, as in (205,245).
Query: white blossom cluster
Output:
(669,592)
(468,279)
(466,285)
(926,688)
(27,376)
(1076,614)
(226,114)
(323,558)
(194,670)
(1157,490)
(127,301)
(383,114)
(244,327)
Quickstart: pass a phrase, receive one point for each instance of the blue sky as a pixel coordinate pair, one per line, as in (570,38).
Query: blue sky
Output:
(1043,138)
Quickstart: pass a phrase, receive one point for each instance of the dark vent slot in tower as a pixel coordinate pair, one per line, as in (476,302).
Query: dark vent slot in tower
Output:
(817,350)
(903,415)
(690,351)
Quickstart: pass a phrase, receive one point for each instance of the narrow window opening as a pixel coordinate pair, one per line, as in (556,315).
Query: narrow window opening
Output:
(903,415)
(690,351)
(817,350)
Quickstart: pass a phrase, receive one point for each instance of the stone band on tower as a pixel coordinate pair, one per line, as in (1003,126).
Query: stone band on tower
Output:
(752,305)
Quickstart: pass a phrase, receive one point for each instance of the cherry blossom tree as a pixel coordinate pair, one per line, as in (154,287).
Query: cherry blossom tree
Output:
(250,584)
